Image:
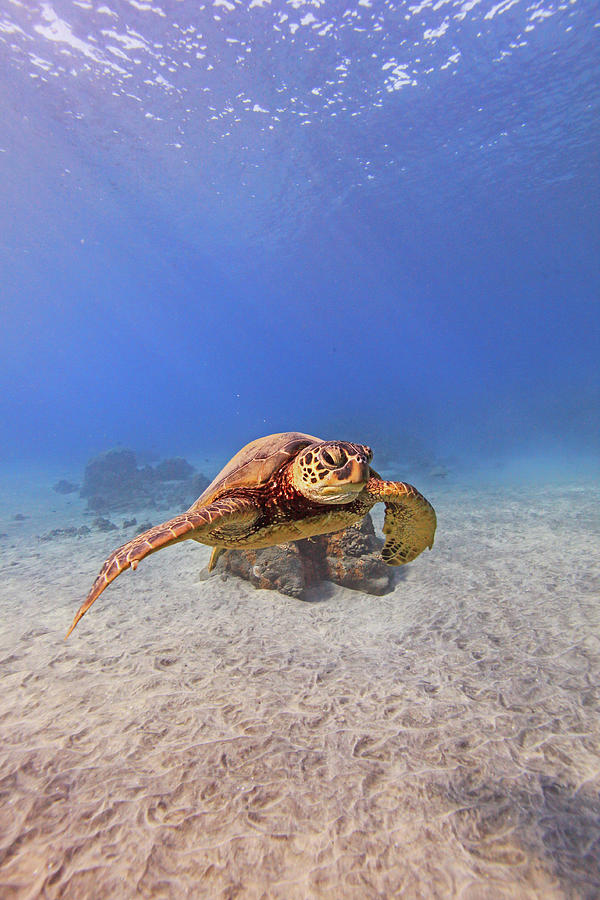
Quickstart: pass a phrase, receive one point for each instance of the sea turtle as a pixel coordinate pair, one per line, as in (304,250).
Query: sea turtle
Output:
(285,487)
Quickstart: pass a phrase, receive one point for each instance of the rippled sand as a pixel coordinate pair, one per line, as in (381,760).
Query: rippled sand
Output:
(204,739)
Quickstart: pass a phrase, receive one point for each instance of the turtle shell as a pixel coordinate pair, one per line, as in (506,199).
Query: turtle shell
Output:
(255,464)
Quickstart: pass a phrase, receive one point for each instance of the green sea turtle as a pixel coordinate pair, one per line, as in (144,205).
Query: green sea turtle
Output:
(280,488)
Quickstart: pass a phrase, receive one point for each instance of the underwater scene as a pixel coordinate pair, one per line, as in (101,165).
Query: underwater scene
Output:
(311,290)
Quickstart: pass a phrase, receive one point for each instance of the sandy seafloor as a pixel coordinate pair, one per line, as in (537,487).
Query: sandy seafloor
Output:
(206,739)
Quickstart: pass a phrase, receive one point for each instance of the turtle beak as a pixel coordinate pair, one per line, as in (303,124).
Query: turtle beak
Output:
(348,479)
(354,473)
(331,489)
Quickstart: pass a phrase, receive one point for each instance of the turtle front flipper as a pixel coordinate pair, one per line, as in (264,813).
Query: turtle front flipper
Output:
(410,520)
(196,525)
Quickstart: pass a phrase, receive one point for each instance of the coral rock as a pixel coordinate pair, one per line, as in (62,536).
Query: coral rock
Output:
(65,487)
(175,469)
(113,481)
(350,558)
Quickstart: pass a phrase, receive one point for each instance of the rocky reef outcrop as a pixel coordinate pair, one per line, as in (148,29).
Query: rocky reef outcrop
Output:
(350,558)
(113,481)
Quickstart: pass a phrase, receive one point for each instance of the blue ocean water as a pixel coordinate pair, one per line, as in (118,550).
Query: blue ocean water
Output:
(373,220)
(369,220)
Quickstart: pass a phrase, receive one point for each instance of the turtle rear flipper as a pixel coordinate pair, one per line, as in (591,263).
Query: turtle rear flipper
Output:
(197,526)
(410,520)
(217,551)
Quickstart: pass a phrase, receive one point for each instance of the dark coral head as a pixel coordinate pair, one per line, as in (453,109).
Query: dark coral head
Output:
(332,471)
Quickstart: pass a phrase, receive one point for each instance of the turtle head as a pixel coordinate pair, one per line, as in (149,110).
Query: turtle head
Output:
(332,471)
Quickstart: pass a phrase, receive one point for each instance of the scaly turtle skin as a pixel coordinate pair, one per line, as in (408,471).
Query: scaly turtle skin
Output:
(280,488)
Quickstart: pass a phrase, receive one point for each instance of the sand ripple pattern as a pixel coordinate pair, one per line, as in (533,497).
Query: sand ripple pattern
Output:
(209,740)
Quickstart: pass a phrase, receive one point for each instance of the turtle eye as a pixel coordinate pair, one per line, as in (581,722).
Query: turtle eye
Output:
(333,457)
